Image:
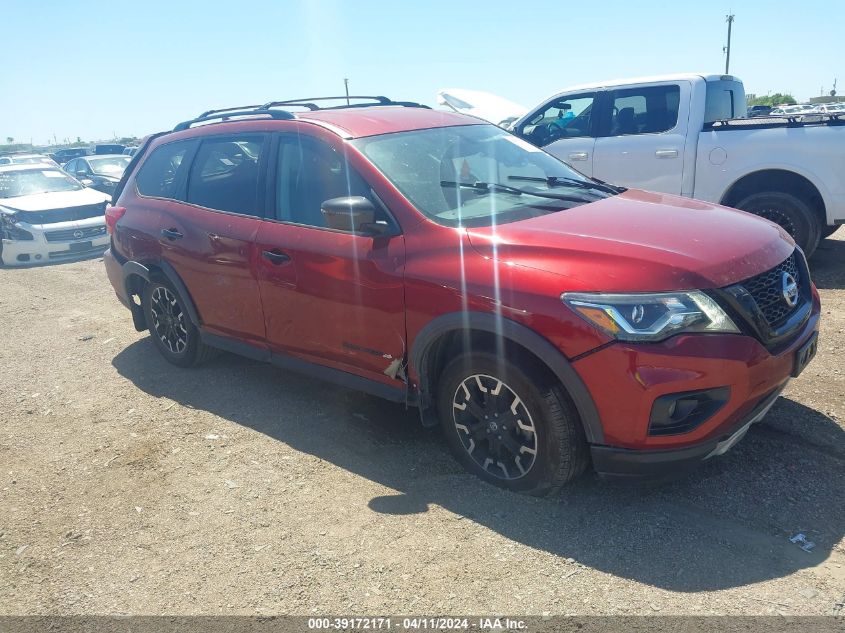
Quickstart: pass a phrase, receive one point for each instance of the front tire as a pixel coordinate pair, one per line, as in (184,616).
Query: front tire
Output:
(790,212)
(172,331)
(507,428)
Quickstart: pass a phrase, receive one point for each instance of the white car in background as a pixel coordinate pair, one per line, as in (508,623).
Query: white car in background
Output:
(47,216)
(483,105)
(27,159)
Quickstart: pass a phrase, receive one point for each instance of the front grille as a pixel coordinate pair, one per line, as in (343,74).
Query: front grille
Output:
(68,214)
(68,235)
(767,291)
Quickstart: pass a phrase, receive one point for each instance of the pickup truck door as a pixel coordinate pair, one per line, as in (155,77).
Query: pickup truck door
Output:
(642,136)
(565,128)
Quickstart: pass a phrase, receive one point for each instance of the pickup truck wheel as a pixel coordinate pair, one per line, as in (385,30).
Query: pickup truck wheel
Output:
(790,212)
(504,427)
(172,332)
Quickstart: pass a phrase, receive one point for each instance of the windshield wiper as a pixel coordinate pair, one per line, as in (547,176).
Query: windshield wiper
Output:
(483,187)
(553,181)
(493,187)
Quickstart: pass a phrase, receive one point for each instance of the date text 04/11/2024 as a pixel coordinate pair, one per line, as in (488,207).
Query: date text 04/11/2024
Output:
(416,623)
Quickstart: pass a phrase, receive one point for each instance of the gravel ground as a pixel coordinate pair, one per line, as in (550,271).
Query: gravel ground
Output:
(131,486)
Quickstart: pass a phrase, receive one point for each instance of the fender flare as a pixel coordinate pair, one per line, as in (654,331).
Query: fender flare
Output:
(169,273)
(522,335)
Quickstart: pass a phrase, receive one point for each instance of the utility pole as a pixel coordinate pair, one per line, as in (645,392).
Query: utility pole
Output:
(346,85)
(727,49)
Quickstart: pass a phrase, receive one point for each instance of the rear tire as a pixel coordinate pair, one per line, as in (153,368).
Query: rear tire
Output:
(790,212)
(512,431)
(172,331)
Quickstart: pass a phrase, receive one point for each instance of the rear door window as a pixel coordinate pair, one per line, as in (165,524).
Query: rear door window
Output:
(163,171)
(227,175)
(646,110)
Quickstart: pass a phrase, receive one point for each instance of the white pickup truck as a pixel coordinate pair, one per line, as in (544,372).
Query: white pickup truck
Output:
(688,135)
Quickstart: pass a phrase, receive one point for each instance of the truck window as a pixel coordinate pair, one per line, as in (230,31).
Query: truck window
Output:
(725,100)
(646,110)
(566,117)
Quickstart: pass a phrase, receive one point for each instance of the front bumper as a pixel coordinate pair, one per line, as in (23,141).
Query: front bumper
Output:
(60,241)
(609,461)
(625,380)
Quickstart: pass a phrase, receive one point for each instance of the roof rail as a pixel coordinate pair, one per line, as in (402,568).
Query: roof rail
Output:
(225,114)
(309,102)
(246,107)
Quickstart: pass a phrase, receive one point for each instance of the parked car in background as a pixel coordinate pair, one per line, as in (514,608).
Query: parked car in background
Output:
(64,155)
(27,159)
(109,148)
(759,111)
(129,151)
(98,172)
(544,319)
(47,215)
(689,135)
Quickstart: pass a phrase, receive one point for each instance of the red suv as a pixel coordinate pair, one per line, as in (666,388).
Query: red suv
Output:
(545,319)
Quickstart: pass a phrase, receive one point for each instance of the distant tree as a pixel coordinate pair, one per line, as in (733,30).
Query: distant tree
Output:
(773,100)
(10,139)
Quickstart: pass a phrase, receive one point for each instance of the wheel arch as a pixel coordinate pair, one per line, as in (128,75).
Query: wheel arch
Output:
(434,346)
(136,275)
(781,180)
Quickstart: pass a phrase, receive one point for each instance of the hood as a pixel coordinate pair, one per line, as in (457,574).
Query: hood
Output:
(55,200)
(640,242)
(484,105)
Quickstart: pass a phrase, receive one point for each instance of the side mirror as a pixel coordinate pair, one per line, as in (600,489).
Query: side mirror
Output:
(81,174)
(355,214)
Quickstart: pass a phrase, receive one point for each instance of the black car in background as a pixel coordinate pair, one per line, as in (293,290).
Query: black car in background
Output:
(64,155)
(109,148)
(759,110)
(99,172)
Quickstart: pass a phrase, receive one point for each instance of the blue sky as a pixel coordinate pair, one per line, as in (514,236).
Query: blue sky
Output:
(93,68)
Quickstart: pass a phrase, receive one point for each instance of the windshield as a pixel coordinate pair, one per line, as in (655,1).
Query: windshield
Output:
(477,175)
(34,181)
(112,166)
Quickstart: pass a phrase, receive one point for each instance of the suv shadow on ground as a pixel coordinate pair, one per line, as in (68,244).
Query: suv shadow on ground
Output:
(725,525)
(827,266)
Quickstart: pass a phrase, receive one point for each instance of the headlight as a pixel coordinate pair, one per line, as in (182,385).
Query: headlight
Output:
(10,230)
(650,317)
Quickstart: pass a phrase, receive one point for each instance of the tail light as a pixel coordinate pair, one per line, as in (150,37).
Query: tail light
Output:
(113,214)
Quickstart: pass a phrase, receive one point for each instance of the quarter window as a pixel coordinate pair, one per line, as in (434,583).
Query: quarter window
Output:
(225,175)
(160,173)
(644,110)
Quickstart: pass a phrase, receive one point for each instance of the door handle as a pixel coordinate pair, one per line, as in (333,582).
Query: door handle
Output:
(579,156)
(666,153)
(275,257)
(172,234)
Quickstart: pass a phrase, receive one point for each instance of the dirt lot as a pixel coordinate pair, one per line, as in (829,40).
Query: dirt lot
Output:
(130,486)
